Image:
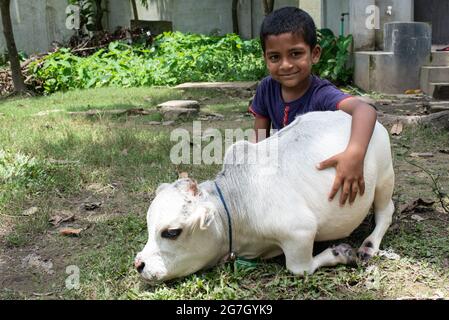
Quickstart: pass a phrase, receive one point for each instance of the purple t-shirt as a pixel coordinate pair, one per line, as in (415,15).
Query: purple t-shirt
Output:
(268,103)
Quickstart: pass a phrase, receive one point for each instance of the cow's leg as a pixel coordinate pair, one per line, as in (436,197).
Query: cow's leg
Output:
(383,213)
(341,254)
(299,258)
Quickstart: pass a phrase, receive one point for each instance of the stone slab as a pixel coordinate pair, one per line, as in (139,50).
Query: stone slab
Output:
(173,104)
(239,85)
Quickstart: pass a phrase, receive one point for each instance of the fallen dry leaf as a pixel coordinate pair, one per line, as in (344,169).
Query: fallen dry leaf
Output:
(56,220)
(63,162)
(410,207)
(417,217)
(70,232)
(30,211)
(421,155)
(124,152)
(396,129)
(389,254)
(413,91)
(89,206)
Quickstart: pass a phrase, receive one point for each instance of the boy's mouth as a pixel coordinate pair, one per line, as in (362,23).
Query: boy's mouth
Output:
(289,74)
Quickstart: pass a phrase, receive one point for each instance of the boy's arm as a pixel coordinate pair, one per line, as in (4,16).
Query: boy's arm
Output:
(262,128)
(349,163)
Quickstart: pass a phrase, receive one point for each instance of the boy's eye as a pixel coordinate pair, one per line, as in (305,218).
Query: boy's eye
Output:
(273,58)
(296,53)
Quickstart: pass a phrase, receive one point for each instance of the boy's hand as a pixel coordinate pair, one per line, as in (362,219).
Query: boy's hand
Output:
(349,175)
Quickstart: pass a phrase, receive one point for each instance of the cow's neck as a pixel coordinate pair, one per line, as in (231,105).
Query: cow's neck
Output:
(243,233)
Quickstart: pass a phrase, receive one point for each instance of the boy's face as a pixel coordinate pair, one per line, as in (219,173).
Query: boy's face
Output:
(289,59)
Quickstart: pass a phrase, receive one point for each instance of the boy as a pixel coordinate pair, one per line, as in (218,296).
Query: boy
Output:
(289,44)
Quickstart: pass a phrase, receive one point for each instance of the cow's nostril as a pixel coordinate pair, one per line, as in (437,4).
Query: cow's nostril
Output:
(139,266)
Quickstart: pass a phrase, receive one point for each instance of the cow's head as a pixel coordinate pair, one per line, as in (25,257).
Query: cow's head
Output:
(182,237)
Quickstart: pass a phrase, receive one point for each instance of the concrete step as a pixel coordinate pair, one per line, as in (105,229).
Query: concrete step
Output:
(439,58)
(439,91)
(372,71)
(433,74)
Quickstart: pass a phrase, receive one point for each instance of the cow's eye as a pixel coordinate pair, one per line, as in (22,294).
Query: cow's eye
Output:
(171,233)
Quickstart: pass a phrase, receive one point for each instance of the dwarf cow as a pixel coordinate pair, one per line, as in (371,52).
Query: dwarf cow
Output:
(276,204)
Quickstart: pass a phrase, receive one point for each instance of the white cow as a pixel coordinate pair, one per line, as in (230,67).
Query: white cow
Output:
(270,212)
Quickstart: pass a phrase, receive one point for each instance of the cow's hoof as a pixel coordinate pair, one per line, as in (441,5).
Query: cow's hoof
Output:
(345,252)
(366,251)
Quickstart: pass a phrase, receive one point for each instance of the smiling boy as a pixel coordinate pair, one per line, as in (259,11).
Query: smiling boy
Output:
(290,49)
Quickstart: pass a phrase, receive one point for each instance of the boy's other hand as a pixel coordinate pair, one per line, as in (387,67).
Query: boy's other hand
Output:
(349,175)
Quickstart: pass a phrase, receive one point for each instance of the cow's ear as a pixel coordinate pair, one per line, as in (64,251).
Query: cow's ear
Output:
(162,187)
(203,215)
(188,185)
(193,187)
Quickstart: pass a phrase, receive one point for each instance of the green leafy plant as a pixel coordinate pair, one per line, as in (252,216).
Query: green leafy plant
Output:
(20,170)
(174,58)
(334,57)
(87,13)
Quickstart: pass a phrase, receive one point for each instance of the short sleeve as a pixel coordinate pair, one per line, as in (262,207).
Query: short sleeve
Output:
(258,106)
(330,97)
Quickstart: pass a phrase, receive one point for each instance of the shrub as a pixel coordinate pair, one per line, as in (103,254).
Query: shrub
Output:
(19,170)
(334,57)
(175,58)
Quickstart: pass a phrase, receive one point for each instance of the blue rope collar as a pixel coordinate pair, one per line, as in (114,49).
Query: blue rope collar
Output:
(232,255)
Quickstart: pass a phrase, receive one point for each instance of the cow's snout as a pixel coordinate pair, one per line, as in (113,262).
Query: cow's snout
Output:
(150,267)
(139,264)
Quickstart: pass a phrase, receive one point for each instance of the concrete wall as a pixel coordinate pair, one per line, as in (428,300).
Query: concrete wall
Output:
(37,24)
(119,15)
(258,14)
(402,11)
(315,9)
(206,16)
(40,22)
(211,16)
(332,10)
(365,39)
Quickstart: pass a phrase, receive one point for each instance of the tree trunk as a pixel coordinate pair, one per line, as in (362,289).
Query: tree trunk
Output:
(136,14)
(17,77)
(98,16)
(268,6)
(235,18)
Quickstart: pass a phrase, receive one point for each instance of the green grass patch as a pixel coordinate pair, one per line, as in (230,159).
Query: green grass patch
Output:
(56,162)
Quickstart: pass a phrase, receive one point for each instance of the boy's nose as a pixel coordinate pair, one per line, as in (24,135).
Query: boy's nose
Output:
(285,64)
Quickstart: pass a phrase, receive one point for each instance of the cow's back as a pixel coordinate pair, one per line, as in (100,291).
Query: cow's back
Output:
(310,139)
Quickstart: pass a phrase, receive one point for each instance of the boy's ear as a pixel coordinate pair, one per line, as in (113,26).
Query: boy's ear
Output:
(316,54)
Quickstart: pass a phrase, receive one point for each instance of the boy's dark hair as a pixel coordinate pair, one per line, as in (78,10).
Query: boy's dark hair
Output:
(289,20)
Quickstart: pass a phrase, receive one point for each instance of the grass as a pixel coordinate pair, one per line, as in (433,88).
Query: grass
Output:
(120,160)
